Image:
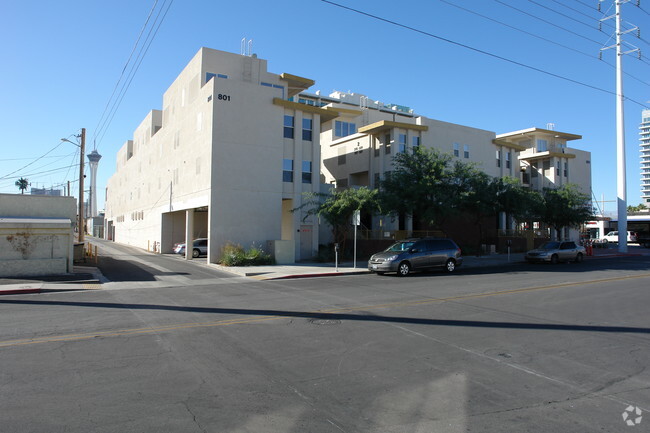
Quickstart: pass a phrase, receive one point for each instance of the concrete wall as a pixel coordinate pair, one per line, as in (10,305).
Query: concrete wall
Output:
(36,235)
(38,206)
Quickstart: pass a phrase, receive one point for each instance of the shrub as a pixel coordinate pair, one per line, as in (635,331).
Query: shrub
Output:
(235,255)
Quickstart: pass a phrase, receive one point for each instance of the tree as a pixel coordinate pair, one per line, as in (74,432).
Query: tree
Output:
(521,203)
(421,184)
(637,208)
(566,206)
(338,206)
(481,199)
(22,184)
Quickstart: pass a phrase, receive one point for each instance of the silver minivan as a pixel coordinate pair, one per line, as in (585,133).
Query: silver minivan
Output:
(416,255)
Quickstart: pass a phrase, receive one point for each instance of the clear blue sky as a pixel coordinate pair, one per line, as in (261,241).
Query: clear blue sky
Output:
(61,62)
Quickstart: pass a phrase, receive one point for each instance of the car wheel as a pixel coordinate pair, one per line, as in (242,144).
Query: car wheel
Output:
(579,258)
(196,253)
(404,269)
(450,266)
(554,259)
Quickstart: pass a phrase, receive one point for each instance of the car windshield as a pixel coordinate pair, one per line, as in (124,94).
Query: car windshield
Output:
(550,246)
(400,246)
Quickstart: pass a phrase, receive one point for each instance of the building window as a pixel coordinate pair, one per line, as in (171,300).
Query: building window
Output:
(466,151)
(558,168)
(387,144)
(456,150)
(498,158)
(342,158)
(307,126)
(287,170)
(343,129)
(508,159)
(377,145)
(402,143)
(288,126)
(415,142)
(542,145)
(306,172)
(566,169)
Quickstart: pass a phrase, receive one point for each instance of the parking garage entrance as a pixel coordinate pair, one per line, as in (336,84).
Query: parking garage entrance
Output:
(174,226)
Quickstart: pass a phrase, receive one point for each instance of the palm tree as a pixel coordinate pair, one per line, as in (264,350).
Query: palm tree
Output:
(22,184)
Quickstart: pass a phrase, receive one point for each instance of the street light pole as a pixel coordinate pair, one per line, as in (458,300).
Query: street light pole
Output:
(81,184)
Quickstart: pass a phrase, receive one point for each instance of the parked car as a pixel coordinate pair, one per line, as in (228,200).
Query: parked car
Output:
(555,251)
(613,237)
(200,247)
(417,255)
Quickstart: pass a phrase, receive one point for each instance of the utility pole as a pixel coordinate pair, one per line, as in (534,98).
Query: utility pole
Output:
(81,185)
(621,181)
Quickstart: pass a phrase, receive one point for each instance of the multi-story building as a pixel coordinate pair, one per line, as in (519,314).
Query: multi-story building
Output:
(235,148)
(227,158)
(358,147)
(644,132)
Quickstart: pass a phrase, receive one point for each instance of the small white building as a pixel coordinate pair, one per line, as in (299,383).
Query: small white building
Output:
(36,235)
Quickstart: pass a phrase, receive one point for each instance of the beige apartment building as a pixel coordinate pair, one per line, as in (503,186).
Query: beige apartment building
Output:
(235,147)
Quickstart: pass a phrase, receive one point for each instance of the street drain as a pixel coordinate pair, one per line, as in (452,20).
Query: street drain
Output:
(325,321)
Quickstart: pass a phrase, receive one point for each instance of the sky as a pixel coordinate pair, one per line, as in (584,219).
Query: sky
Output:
(497,65)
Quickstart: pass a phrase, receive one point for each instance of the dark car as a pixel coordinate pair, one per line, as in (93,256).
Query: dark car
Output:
(417,255)
(200,247)
(555,251)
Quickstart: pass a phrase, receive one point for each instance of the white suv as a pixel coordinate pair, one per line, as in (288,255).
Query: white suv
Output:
(613,237)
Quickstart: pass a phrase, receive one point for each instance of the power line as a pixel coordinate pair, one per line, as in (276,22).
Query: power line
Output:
(561,14)
(102,119)
(134,68)
(548,22)
(54,170)
(591,56)
(37,159)
(477,50)
(576,10)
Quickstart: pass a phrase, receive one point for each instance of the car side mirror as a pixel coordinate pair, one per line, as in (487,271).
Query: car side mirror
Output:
(414,250)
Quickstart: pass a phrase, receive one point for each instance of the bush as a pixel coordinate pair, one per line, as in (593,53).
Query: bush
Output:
(235,255)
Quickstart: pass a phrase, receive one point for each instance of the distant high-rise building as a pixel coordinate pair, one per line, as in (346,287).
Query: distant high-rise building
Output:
(46,191)
(645,155)
(94,158)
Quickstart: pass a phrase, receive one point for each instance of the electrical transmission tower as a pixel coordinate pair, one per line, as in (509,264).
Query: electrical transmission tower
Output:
(622,48)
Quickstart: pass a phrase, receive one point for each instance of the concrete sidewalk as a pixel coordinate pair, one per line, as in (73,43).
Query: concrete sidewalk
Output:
(91,278)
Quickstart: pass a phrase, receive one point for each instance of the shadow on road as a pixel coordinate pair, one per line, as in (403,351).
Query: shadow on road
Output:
(363,316)
(124,270)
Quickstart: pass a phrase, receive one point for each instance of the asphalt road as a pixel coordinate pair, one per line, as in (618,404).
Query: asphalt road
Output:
(527,348)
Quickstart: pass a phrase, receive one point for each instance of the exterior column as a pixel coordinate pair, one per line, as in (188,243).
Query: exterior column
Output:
(189,233)
(502,221)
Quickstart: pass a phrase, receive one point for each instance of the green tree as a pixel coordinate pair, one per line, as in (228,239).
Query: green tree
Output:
(22,184)
(422,183)
(637,208)
(338,206)
(482,198)
(521,203)
(566,206)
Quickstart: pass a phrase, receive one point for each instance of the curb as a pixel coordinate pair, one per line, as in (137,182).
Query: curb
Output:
(20,291)
(322,274)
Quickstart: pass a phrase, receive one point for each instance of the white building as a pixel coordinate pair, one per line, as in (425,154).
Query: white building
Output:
(227,158)
(644,132)
(235,147)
